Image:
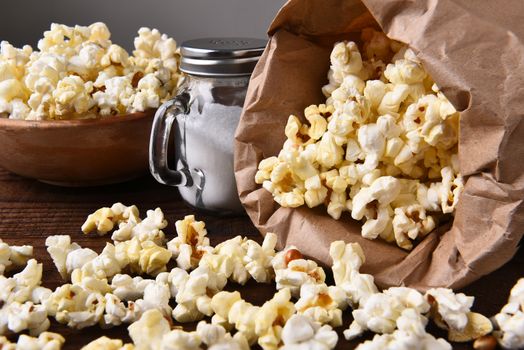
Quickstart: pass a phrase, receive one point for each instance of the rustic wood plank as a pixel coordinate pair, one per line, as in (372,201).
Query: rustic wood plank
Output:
(30,211)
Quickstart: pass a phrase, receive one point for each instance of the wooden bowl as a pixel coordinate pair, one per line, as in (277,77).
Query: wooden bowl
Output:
(84,152)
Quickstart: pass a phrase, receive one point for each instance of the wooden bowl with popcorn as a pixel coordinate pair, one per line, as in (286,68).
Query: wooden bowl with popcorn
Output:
(77,152)
(78,111)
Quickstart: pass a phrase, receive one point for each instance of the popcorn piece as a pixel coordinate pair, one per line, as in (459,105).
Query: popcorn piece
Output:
(126,287)
(13,256)
(317,303)
(17,317)
(194,293)
(258,258)
(230,308)
(59,247)
(234,250)
(347,260)
(449,310)
(21,286)
(104,219)
(75,306)
(300,332)
(187,247)
(272,317)
(148,332)
(411,334)
(178,339)
(105,343)
(297,273)
(380,311)
(509,322)
(156,297)
(145,257)
(45,341)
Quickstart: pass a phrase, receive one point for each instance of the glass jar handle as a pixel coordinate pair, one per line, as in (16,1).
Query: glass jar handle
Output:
(165,116)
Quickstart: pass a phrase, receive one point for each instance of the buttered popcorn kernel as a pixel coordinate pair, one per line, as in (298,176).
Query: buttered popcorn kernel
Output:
(509,322)
(383,147)
(78,72)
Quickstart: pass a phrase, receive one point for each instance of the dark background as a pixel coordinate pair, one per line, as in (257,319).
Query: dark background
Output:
(23,22)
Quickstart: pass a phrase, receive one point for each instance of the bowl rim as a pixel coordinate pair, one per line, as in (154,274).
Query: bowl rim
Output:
(54,124)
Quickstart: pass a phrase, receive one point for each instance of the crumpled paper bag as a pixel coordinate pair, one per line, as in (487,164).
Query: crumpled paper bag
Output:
(474,50)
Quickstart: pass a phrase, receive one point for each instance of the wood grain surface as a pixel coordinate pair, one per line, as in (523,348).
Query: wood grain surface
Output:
(30,211)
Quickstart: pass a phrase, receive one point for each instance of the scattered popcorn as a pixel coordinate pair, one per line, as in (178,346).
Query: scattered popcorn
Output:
(347,260)
(190,244)
(215,337)
(13,256)
(45,341)
(79,73)
(292,270)
(59,247)
(383,147)
(317,303)
(301,332)
(449,310)
(104,220)
(195,292)
(509,322)
(75,306)
(258,258)
(17,317)
(105,343)
(148,332)
(142,257)
(156,297)
(380,311)
(230,308)
(272,317)
(410,335)
(126,287)
(234,250)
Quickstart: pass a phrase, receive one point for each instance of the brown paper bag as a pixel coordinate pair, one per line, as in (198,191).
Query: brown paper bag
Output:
(474,50)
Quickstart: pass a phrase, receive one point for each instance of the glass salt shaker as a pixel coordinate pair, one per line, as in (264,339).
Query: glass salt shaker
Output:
(203,118)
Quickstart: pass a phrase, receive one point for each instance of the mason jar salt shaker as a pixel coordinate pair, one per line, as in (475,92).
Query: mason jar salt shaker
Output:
(202,120)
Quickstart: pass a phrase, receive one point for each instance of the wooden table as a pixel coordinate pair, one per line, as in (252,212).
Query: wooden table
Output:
(30,211)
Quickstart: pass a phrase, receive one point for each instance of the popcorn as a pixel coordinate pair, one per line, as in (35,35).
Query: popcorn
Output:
(156,297)
(148,332)
(384,123)
(142,257)
(258,258)
(188,246)
(215,337)
(178,339)
(317,303)
(23,286)
(75,306)
(194,293)
(297,273)
(411,334)
(347,260)
(105,343)
(80,73)
(126,287)
(129,223)
(13,256)
(234,250)
(17,317)
(300,332)
(509,322)
(104,219)
(450,310)
(380,311)
(230,308)
(272,317)
(59,247)
(45,341)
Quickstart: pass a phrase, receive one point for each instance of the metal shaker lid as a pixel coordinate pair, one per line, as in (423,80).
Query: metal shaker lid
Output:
(220,56)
